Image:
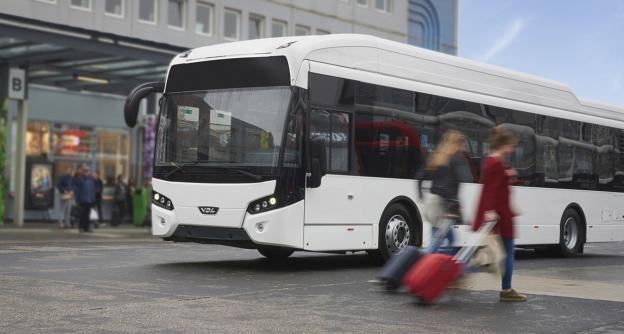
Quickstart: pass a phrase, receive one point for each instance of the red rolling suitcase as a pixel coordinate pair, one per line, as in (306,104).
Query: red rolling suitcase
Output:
(397,266)
(432,275)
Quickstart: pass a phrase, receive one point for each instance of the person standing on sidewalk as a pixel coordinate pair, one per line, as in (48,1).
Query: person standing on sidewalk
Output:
(131,186)
(119,208)
(99,188)
(65,186)
(494,203)
(85,197)
(446,168)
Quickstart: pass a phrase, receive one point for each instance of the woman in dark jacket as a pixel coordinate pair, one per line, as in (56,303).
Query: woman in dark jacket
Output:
(494,204)
(446,168)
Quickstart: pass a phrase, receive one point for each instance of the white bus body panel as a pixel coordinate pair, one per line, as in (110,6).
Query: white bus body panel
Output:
(232,200)
(279,227)
(349,206)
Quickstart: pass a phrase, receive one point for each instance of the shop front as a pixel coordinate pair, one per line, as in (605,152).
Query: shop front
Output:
(66,130)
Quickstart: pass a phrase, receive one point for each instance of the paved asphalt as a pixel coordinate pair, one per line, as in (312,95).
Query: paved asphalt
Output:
(123,281)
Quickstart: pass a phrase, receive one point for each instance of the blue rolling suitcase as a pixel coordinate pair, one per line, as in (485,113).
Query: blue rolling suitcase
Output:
(396,267)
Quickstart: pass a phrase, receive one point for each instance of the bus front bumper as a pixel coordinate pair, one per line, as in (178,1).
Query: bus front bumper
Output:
(279,227)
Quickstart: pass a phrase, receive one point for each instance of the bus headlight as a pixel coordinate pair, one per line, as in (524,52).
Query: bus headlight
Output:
(161,201)
(263,204)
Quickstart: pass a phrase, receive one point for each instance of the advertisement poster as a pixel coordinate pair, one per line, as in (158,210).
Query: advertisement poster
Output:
(39,185)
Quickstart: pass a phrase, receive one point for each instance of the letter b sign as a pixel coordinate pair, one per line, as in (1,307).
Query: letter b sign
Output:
(17,84)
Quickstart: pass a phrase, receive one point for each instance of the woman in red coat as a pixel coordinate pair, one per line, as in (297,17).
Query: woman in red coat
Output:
(496,178)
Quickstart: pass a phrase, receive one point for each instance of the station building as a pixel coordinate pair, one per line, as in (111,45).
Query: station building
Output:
(81,57)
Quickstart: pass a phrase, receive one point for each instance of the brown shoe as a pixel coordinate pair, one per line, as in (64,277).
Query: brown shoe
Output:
(512,296)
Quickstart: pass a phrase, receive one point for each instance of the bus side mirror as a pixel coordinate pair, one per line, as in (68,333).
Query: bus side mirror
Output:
(131,107)
(318,161)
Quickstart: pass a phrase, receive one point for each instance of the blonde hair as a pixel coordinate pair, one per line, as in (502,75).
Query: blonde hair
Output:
(449,145)
(500,137)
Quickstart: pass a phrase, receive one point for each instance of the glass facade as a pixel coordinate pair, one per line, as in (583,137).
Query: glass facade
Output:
(106,151)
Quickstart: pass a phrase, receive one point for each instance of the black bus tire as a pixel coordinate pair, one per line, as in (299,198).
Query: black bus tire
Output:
(571,234)
(395,226)
(275,253)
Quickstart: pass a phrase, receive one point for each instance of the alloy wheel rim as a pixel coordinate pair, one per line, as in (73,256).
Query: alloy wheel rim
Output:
(570,233)
(397,235)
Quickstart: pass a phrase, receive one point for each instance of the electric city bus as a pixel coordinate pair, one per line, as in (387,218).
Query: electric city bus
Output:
(312,143)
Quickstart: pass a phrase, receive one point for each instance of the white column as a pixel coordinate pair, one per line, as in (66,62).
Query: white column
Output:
(20,163)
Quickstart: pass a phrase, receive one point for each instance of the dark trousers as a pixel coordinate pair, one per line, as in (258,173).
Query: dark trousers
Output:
(120,212)
(98,205)
(85,209)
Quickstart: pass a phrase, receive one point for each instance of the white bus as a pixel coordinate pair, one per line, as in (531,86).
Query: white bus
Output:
(312,143)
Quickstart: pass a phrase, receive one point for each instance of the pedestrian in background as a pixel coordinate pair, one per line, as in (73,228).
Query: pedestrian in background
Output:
(494,203)
(446,168)
(120,197)
(99,188)
(129,206)
(85,197)
(65,186)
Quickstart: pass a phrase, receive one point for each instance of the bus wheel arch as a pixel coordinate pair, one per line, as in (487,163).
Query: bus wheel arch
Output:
(399,212)
(572,231)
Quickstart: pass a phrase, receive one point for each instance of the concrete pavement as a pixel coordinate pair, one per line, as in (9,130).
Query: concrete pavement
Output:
(132,284)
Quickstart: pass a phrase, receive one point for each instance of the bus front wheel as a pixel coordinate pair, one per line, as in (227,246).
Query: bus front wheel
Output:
(571,234)
(275,253)
(397,230)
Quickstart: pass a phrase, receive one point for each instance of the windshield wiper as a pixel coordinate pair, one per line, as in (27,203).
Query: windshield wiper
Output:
(244,172)
(180,169)
(174,171)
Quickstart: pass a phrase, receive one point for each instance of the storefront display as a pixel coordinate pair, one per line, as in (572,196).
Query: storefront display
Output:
(40,185)
(112,155)
(38,139)
(73,142)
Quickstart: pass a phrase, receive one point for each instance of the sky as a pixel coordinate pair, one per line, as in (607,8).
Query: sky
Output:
(577,42)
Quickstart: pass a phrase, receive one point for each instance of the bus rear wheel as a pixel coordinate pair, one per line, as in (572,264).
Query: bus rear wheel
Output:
(571,234)
(397,230)
(275,253)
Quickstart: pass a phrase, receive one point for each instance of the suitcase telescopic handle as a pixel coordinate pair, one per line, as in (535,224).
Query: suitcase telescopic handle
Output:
(466,252)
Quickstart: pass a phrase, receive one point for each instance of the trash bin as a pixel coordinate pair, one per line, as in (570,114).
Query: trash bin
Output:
(139,206)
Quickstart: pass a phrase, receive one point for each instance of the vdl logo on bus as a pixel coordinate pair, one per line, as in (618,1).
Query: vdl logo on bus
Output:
(208,210)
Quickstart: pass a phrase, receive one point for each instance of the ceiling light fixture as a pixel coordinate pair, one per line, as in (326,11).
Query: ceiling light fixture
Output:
(91,79)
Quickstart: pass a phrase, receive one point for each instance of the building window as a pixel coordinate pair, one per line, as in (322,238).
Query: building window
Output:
(279,28)
(37,139)
(322,32)
(383,5)
(256,26)
(204,16)
(231,25)
(81,4)
(112,155)
(176,13)
(148,11)
(302,30)
(72,141)
(363,3)
(114,8)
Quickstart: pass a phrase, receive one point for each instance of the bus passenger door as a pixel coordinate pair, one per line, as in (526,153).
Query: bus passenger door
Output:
(331,217)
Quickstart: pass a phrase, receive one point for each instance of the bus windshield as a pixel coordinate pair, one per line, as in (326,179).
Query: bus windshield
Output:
(239,127)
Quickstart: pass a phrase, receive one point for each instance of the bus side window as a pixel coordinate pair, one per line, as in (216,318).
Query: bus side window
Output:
(335,128)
